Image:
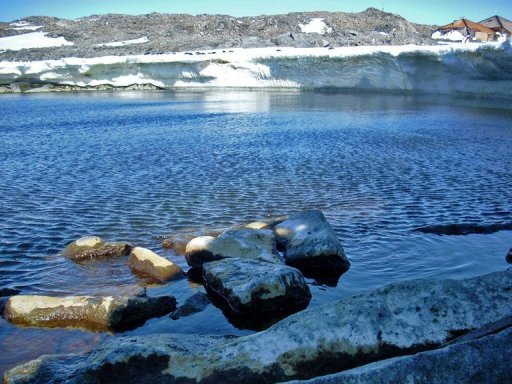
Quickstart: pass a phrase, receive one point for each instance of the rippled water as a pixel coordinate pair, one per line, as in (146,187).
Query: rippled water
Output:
(136,166)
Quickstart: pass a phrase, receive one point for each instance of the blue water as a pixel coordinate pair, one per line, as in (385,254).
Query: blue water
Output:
(139,166)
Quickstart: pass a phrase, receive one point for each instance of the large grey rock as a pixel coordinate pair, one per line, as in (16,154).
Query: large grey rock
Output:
(97,313)
(243,243)
(148,263)
(94,247)
(399,319)
(256,287)
(309,242)
(486,360)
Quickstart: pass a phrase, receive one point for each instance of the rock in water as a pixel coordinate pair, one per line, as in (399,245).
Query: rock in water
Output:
(309,243)
(147,262)
(94,247)
(256,287)
(97,313)
(509,256)
(194,304)
(402,318)
(244,243)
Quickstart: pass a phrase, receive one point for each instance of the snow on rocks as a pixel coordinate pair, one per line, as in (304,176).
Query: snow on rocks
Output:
(94,247)
(316,25)
(97,313)
(146,262)
(31,40)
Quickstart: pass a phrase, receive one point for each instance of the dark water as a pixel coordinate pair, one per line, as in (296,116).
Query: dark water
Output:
(135,166)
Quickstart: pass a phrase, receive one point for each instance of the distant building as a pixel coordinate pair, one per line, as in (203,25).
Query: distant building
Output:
(499,25)
(464,28)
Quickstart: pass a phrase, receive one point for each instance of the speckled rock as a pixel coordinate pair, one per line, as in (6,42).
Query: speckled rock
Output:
(244,243)
(402,318)
(147,262)
(486,360)
(94,247)
(309,242)
(252,286)
(97,313)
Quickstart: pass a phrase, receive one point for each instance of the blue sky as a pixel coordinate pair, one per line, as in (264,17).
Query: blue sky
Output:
(428,12)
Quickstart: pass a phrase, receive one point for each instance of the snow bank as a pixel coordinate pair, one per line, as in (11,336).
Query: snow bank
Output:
(31,40)
(316,25)
(123,43)
(451,36)
(455,68)
(24,26)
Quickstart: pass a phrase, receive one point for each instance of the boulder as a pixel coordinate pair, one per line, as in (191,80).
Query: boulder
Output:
(178,241)
(147,262)
(194,304)
(94,247)
(310,243)
(509,256)
(243,243)
(250,287)
(402,318)
(97,313)
(268,223)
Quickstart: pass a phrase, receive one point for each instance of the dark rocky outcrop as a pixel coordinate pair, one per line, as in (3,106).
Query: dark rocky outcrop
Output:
(97,313)
(94,247)
(310,243)
(252,244)
(252,287)
(194,304)
(402,318)
(464,229)
(146,262)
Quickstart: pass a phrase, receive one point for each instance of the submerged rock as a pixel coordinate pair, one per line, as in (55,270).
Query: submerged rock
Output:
(146,262)
(194,304)
(94,247)
(465,229)
(97,313)
(309,243)
(402,318)
(509,256)
(244,243)
(256,287)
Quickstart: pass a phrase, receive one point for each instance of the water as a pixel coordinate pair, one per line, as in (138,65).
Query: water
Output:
(137,166)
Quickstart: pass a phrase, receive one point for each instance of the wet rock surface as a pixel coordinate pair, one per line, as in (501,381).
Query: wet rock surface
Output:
(146,262)
(96,313)
(194,304)
(310,243)
(509,256)
(251,244)
(94,247)
(465,229)
(251,287)
(402,318)
(178,32)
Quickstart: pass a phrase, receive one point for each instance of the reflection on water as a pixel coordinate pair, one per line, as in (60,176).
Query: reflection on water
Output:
(132,166)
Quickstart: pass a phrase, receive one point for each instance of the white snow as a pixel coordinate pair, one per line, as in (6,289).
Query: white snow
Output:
(451,36)
(31,40)
(125,42)
(316,25)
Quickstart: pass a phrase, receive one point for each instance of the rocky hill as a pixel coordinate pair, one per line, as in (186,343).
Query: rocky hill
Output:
(156,33)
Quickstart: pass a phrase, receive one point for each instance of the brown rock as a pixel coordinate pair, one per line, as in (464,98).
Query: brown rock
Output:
(147,262)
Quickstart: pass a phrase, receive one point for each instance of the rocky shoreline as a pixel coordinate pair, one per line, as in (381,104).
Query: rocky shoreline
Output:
(393,334)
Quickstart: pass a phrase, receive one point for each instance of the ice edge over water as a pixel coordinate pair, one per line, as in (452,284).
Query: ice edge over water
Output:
(473,69)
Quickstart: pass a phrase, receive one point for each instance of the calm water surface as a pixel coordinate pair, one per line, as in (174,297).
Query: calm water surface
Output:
(136,166)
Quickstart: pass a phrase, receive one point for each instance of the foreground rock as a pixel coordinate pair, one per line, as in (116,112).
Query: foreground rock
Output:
(487,360)
(251,244)
(399,319)
(256,287)
(97,313)
(309,243)
(94,247)
(146,262)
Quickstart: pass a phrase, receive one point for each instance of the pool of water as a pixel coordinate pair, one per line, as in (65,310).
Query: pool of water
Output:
(141,165)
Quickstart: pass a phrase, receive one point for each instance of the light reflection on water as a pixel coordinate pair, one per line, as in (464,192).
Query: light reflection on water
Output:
(133,166)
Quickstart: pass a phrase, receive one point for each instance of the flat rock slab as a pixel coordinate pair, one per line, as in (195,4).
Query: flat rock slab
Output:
(94,247)
(256,287)
(402,318)
(486,360)
(251,244)
(147,262)
(96,313)
(310,243)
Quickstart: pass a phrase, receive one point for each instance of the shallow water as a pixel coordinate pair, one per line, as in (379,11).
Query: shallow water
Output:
(136,166)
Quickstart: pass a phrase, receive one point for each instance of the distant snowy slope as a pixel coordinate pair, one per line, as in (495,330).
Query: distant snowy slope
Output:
(31,40)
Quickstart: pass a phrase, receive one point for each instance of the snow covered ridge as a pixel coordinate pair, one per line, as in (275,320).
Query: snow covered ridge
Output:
(472,69)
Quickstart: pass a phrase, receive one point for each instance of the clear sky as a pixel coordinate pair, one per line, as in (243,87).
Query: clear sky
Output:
(428,12)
